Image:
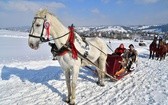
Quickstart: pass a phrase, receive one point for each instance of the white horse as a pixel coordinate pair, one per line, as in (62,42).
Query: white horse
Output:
(96,51)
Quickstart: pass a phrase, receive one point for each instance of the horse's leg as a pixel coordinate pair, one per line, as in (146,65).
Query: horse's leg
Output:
(161,57)
(153,54)
(98,73)
(68,83)
(150,54)
(74,82)
(164,55)
(102,66)
(157,55)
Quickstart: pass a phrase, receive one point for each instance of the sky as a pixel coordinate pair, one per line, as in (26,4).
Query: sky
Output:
(16,13)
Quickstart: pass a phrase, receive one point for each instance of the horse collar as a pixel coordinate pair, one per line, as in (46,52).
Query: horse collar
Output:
(63,50)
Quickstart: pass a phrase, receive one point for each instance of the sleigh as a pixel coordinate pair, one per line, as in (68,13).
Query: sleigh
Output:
(113,66)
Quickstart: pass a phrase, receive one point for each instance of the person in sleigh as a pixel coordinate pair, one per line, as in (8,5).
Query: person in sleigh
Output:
(129,58)
(120,50)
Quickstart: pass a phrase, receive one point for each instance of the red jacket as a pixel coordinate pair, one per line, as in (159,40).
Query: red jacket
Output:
(119,50)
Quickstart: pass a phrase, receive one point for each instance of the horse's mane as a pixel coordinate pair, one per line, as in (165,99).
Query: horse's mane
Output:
(43,13)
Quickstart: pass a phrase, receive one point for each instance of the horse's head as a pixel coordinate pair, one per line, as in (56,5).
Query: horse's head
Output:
(38,29)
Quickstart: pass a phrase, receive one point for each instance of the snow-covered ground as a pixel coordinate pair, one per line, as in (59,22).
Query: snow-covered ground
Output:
(30,77)
(14,48)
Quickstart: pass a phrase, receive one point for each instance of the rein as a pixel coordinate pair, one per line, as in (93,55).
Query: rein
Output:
(42,39)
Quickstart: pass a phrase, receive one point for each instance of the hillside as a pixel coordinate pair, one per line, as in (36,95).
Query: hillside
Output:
(143,28)
(118,28)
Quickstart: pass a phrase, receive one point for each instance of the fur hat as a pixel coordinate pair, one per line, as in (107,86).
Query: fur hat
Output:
(131,45)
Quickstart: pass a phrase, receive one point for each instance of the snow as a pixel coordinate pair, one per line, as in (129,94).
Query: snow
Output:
(146,27)
(30,77)
(152,30)
(13,34)
(143,27)
(102,29)
(83,29)
(113,28)
(16,48)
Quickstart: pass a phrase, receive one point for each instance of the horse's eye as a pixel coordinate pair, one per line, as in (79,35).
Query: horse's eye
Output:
(37,25)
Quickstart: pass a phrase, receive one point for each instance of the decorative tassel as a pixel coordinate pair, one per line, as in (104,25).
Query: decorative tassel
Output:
(47,27)
(71,42)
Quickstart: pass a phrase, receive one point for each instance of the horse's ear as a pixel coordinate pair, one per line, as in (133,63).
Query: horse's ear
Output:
(45,11)
(42,12)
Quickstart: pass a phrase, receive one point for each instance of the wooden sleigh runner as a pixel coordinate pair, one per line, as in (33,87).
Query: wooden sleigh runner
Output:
(113,66)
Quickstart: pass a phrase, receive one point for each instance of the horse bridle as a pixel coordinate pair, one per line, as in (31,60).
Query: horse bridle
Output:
(41,37)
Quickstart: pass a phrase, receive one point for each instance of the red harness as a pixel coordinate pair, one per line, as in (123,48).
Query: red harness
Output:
(70,43)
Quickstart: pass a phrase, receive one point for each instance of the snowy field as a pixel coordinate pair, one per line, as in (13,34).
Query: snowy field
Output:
(30,77)
(14,48)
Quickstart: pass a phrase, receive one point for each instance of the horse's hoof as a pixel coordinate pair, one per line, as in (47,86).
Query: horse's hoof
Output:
(67,101)
(100,84)
(72,103)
